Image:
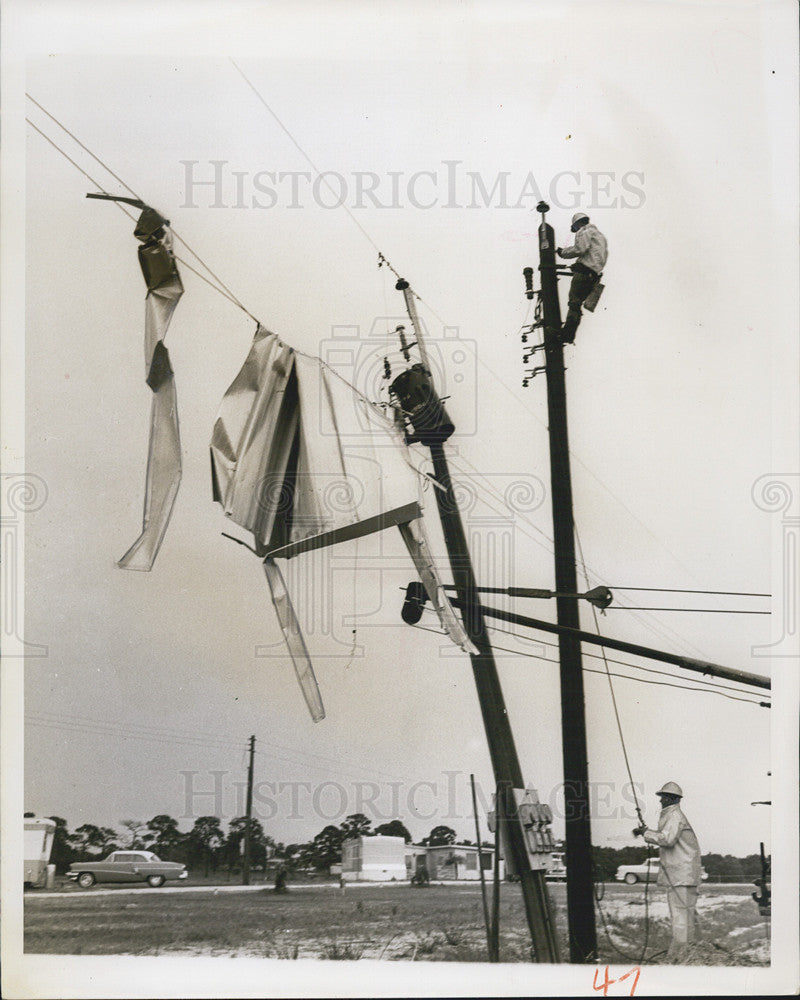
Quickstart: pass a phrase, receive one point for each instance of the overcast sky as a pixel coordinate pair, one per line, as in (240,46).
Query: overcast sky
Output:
(440,125)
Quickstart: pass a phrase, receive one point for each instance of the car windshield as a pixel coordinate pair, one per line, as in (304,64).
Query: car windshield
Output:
(153,857)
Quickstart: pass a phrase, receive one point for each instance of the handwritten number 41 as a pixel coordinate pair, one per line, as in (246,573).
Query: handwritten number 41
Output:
(607,982)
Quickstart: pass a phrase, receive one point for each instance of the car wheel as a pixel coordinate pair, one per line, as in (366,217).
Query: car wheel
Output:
(86,880)
(155,881)
(631,878)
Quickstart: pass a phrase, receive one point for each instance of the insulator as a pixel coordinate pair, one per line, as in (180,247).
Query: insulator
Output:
(416,597)
(528,272)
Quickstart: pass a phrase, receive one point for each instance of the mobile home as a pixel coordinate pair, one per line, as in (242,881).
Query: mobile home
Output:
(374,859)
(37,845)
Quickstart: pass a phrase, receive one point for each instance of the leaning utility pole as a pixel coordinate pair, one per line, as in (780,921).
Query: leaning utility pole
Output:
(248,812)
(578,840)
(431,427)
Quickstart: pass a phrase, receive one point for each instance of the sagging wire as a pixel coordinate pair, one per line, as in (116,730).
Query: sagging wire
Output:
(220,287)
(637,806)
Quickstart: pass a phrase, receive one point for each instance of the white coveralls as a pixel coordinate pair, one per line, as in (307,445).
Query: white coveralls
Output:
(679,871)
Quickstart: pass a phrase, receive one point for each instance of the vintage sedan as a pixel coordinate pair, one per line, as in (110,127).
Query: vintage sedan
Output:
(126,866)
(645,872)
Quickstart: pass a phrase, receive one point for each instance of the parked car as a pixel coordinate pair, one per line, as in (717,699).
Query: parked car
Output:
(645,872)
(556,870)
(126,866)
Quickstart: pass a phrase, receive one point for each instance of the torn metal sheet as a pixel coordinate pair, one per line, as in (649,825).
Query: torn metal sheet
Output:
(290,627)
(302,461)
(416,540)
(163,473)
(164,289)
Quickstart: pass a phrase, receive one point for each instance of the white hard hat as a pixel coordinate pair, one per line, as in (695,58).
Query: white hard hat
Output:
(671,789)
(578,216)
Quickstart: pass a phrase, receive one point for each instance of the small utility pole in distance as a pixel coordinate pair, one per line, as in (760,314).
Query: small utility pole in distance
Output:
(578,840)
(248,812)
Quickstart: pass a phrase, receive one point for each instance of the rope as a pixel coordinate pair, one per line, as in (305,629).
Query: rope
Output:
(627,765)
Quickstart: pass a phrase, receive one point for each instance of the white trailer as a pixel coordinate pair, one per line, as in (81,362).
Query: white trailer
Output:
(374,859)
(37,845)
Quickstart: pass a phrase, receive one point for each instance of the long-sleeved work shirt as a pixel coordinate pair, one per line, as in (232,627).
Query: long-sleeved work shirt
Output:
(678,848)
(590,248)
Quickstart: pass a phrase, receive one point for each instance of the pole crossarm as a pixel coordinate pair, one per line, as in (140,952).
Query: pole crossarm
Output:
(687,662)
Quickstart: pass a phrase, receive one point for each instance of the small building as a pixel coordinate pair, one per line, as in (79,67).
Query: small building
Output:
(460,862)
(374,859)
(390,859)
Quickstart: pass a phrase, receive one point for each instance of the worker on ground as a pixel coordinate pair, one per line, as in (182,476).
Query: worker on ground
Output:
(591,249)
(679,870)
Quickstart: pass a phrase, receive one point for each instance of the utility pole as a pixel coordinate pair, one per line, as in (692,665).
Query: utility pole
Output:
(431,426)
(248,812)
(578,840)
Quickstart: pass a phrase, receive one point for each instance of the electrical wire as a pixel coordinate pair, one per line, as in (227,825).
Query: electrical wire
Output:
(627,677)
(674,590)
(221,287)
(382,260)
(703,611)
(597,656)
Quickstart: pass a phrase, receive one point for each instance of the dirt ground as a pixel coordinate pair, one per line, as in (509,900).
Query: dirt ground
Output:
(388,922)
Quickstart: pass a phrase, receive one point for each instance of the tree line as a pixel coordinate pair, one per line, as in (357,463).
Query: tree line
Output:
(207,848)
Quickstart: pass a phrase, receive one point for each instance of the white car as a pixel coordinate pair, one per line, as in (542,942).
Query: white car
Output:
(645,872)
(556,870)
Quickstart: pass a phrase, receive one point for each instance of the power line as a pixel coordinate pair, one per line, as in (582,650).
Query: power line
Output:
(221,287)
(381,258)
(699,611)
(610,659)
(674,590)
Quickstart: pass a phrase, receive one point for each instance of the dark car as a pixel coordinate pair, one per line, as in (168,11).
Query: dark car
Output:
(126,866)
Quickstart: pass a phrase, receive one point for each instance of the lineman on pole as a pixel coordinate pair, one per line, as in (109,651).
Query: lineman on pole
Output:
(591,249)
(679,870)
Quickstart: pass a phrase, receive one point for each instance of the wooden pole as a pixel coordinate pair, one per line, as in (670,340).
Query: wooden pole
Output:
(494,950)
(578,833)
(505,763)
(248,813)
(480,869)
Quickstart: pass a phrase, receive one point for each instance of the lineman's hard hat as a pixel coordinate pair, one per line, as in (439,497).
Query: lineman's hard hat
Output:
(671,789)
(578,217)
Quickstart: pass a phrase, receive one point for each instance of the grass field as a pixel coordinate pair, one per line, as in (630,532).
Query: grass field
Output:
(390,922)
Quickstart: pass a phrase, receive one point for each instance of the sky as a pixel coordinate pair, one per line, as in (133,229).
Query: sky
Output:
(439,126)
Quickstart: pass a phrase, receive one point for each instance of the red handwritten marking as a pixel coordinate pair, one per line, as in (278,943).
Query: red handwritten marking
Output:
(604,985)
(638,972)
